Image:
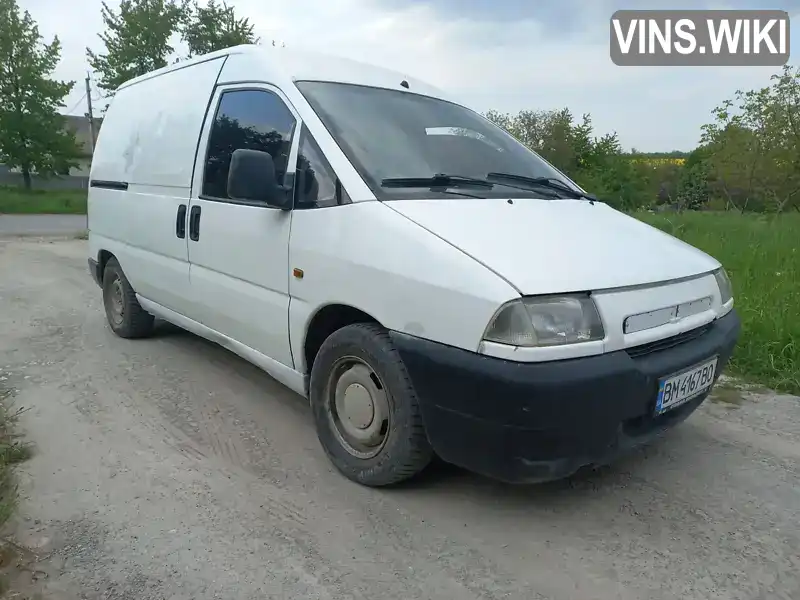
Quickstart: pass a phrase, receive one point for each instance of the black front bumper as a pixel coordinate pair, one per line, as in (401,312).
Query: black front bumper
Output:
(530,422)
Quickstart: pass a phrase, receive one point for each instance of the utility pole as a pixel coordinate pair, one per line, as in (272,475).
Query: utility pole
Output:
(89,114)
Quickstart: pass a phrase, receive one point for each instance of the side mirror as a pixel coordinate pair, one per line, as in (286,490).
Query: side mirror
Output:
(251,176)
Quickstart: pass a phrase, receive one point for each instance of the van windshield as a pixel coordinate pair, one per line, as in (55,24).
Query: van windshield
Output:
(401,142)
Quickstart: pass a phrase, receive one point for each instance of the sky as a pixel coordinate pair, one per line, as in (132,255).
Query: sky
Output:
(506,55)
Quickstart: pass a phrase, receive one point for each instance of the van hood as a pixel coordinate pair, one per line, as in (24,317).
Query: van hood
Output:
(557,246)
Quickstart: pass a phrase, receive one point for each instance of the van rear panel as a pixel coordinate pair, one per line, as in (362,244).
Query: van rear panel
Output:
(142,174)
(149,135)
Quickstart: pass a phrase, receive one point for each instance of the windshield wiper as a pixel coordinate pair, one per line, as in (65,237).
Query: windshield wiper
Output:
(439,180)
(547,182)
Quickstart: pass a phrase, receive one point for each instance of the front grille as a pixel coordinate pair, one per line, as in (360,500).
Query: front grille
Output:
(670,342)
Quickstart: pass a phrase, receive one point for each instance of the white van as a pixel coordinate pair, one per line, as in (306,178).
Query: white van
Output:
(431,285)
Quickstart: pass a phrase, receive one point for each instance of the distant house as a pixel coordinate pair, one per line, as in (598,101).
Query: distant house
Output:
(79,175)
(80,126)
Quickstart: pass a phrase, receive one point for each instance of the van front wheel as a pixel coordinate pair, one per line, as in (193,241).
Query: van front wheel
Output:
(124,313)
(365,408)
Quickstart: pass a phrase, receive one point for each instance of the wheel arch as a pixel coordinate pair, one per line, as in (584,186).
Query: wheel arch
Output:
(325,321)
(103,256)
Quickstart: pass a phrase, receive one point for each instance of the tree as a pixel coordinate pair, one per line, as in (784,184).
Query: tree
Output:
(136,39)
(215,27)
(596,164)
(753,146)
(33,136)
(783,135)
(552,134)
(734,160)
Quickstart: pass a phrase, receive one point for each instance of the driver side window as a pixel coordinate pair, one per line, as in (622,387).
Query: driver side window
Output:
(250,119)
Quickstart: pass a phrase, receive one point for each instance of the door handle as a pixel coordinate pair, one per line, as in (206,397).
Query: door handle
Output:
(194,223)
(180,222)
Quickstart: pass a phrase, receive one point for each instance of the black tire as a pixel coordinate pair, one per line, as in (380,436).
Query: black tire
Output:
(406,450)
(133,321)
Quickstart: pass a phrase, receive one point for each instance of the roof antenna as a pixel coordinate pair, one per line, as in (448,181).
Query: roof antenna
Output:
(404,84)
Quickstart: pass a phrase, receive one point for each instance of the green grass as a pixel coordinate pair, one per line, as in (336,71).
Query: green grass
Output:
(12,451)
(15,200)
(762,258)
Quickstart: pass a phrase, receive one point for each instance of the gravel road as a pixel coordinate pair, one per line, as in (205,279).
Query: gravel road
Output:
(68,225)
(169,468)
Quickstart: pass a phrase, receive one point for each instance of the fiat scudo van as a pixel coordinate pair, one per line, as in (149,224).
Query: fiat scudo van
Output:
(431,285)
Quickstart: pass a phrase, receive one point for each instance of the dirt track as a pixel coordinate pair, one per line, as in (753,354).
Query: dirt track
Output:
(61,225)
(169,468)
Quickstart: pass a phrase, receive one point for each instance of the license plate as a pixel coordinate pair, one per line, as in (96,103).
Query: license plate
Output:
(679,388)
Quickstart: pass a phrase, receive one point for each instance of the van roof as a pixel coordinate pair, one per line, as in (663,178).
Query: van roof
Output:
(280,65)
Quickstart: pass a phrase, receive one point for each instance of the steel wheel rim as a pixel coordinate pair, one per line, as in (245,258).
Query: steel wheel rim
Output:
(114,302)
(358,407)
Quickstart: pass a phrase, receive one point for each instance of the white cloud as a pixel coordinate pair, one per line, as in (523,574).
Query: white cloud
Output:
(508,66)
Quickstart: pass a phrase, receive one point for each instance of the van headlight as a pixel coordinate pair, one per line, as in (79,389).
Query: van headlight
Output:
(546,321)
(724,284)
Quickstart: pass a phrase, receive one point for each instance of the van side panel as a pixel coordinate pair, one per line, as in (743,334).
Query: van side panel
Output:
(147,144)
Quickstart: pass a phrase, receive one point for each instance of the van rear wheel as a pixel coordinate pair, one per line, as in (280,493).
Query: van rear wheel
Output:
(365,408)
(124,313)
